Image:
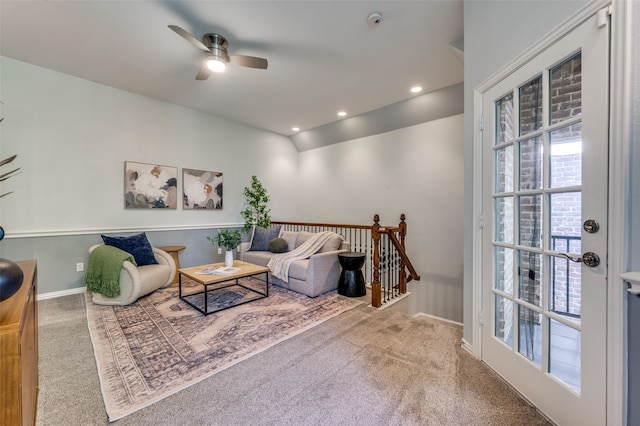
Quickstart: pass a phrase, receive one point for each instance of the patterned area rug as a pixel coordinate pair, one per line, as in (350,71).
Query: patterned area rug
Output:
(159,345)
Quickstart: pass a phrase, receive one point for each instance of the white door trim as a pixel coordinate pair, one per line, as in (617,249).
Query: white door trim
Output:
(618,189)
(619,148)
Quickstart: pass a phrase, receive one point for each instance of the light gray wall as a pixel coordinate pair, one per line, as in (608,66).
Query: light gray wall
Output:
(72,138)
(495,32)
(417,171)
(634,228)
(57,255)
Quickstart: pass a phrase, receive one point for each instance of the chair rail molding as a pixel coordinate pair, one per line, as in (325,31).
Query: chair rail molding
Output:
(633,278)
(69,232)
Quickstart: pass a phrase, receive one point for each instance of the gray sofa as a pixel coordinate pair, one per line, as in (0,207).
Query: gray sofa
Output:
(313,276)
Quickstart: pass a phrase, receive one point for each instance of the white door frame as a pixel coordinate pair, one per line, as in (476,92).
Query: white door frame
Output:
(620,79)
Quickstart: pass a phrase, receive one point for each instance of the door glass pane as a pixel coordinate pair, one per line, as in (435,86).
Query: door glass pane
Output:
(504,320)
(566,89)
(504,219)
(566,221)
(531,106)
(504,169)
(504,269)
(564,354)
(566,156)
(505,128)
(530,282)
(530,336)
(530,224)
(566,230)
(531,163)
(566,288)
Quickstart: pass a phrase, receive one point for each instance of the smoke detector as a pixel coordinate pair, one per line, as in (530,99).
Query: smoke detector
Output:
(374,19)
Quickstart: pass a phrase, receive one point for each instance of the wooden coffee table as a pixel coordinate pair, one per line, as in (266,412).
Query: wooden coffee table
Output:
(216,283)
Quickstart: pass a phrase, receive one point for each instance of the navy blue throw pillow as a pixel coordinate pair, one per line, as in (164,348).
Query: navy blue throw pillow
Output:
(262,237)
(136,245)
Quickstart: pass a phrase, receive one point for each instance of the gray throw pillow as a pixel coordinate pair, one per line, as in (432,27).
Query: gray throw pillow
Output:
(332,244)
(290,237)
(278,245)
(262,237)
(303,236)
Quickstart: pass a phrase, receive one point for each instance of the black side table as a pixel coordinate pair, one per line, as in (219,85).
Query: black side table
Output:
(351,282)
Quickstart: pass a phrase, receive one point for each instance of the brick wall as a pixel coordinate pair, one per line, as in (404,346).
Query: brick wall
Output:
(566,163)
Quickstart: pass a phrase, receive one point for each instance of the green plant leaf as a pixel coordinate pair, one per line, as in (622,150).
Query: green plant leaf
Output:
(256,213)
(227,239)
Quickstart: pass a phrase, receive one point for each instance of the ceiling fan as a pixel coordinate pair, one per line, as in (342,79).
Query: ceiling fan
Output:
(216,56)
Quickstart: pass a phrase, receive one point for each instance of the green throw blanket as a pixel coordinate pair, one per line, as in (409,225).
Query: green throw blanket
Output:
(103,270)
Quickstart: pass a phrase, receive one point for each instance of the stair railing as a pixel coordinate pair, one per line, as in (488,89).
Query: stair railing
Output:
(386,261)
(390,262)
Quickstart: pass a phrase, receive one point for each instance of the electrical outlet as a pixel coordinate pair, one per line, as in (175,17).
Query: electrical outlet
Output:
(219,250)
(79,266)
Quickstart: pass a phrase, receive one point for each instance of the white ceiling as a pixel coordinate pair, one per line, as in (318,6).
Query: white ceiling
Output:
(323,57)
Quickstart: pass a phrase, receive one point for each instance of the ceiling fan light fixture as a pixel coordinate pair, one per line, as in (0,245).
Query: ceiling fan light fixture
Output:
(216,65)
(217,57)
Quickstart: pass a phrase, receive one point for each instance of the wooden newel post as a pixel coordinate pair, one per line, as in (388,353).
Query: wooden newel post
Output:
(403,273)
(376,287)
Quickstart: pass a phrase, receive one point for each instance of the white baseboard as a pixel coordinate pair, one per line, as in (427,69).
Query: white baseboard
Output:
(54,294)
(466,346)
(439,319)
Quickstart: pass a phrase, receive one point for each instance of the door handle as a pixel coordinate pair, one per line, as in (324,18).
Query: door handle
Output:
(589,258)
(591,226)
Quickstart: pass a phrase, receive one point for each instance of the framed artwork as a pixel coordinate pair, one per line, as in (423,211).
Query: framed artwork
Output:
(201,190)
(150,186)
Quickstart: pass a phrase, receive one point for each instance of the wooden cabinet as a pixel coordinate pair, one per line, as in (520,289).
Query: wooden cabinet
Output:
(19,351)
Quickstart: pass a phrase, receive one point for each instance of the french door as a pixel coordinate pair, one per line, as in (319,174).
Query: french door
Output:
(545,152)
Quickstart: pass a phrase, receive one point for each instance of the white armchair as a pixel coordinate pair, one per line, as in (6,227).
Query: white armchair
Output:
(138,281)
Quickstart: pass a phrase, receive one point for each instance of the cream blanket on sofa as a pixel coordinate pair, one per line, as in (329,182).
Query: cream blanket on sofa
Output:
(279,264)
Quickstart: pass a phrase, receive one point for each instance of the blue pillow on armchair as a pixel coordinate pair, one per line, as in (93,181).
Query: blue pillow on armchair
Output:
(137,245)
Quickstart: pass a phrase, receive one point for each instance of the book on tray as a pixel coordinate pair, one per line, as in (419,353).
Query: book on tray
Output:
(221,270)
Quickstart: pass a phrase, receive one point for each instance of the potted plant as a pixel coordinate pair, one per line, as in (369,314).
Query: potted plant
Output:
(230,240)
(256,213)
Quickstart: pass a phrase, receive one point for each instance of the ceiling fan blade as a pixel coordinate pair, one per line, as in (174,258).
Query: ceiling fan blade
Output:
(204,72)
(191,39)
(8,160)
(249,61)
(7,175)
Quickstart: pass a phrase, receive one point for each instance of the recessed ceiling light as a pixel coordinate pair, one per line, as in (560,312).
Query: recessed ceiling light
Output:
(342,113)
(295,129)
(416,89)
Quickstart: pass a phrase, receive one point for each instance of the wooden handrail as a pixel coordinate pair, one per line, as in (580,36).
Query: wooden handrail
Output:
(321,225)
(413,275)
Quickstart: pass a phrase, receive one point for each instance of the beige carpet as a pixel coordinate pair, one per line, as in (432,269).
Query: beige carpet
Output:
(159,345)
